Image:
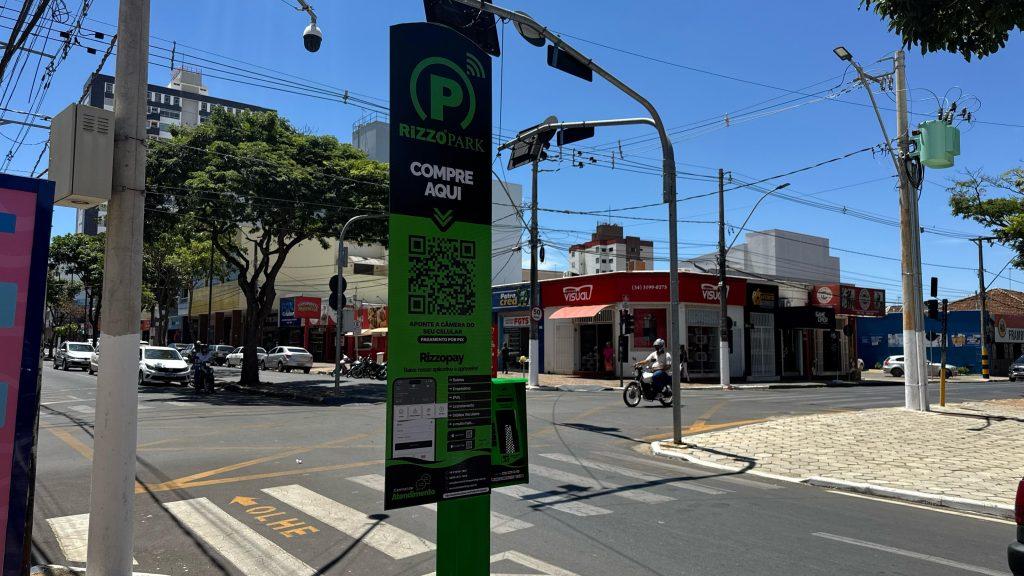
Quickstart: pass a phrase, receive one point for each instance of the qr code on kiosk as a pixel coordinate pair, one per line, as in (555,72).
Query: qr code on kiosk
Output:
(442,275)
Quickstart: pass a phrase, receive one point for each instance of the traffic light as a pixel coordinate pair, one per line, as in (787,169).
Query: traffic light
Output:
(337,298)
(627,322)
(933,308)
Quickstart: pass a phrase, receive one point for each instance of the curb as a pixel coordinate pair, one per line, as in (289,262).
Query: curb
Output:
(299,397)
(54,570)
(952,502)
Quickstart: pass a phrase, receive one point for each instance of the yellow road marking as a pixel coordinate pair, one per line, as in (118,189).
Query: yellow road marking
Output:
(70,439)
(703,418)
(697,428)
(267,458)
(232,479)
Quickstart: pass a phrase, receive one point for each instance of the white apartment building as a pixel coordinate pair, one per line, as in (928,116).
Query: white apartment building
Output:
(609,251)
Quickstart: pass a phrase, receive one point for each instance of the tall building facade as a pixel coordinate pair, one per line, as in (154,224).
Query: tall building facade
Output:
(185,101)
(777,255)
(371,135)
(609,251)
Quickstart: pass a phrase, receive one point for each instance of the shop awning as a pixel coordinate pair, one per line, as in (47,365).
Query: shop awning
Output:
(577,311)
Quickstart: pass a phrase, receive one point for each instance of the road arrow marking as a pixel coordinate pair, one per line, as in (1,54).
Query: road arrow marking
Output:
(244,501)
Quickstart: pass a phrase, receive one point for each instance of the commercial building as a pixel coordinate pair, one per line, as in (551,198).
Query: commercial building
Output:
(1004,326)
(777,254)
(609,251)
(185,101)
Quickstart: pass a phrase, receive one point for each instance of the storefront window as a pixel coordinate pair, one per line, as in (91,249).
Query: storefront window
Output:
(649,325)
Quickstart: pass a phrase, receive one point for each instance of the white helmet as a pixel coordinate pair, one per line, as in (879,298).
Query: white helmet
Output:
(659,344)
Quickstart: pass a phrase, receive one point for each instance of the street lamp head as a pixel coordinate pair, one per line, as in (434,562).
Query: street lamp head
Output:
(529,33)
(781,186)
(843,53)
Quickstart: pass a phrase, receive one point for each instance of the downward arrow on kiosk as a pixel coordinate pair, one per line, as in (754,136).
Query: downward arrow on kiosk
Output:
(244,501)
(443,219)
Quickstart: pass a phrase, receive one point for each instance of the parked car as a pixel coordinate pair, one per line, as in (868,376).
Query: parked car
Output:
(1017,369)
(219,353)
(94,359)
(894,366)
(73,355)
(284,358)
(162,364)
(1015,554)
(235,358)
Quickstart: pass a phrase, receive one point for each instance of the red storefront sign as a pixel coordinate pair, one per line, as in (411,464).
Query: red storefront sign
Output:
(850,300)
(307,307)
(638,287)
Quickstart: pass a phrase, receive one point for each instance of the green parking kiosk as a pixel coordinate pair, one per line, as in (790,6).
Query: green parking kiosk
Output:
(451,432)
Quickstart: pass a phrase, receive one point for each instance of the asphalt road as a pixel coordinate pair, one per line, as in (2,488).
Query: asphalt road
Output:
(239,484)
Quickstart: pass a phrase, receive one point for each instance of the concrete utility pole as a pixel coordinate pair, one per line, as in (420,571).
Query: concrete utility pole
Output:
(210,329)
(981,304)
(916,389)
(534,351)
(916,376)
(723,289)
(112,506)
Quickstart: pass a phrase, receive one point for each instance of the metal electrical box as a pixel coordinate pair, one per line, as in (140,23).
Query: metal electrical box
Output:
(82,155)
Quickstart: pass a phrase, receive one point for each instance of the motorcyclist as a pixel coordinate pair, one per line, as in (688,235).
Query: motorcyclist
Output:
(202,356)
(660,362)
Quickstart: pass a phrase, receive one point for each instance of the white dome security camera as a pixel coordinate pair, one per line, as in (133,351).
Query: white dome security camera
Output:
(312,37)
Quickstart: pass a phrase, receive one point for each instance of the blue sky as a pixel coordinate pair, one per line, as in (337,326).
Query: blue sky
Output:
(783,44)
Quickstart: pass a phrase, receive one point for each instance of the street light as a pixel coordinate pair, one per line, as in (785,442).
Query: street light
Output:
(529,33)
(843,53)
(668,179)
(528,147)
(756,204)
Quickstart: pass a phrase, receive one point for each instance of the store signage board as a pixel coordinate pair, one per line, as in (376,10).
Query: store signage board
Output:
(439,375)
(26,207)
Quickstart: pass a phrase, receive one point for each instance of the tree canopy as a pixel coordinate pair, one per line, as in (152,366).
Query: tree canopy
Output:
(259,187)
(81,256)
(968,27)
(996,202)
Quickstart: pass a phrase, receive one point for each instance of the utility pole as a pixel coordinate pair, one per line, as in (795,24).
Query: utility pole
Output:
(112,504)
(942,355)
(916,384)
(534,350)
(981,304)
(723,289)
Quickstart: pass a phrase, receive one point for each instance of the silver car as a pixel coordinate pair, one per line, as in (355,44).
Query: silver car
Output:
(73,355)
(285,358)
(235,358)
(895,366)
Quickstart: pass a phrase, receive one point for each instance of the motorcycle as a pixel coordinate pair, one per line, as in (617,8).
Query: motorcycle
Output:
(382,371)
(202,378)
(642,388)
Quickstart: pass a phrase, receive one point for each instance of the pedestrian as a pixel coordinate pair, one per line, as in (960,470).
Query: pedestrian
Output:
(684,360)
(504,357)
(609,357)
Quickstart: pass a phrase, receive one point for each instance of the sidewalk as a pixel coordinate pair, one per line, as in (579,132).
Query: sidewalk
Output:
(968,456)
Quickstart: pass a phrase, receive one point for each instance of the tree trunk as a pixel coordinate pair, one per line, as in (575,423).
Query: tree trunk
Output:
(251,335)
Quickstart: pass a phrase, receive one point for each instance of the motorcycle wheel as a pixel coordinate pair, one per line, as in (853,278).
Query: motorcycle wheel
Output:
(665,401)
(632,395)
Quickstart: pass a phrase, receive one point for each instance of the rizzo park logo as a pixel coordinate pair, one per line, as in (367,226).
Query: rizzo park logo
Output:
(442,91)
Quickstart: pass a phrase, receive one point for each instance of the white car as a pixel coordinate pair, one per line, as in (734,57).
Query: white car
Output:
(72,355)
(235,358)
(162,364)
(894,366)
(285,358)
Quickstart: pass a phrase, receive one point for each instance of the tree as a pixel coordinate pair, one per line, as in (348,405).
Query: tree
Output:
(61,309)
(970,27)
(81,257)
(174,262)
(996,202)
(260,187)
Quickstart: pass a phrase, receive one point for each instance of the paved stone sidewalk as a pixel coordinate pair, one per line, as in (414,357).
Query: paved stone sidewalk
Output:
(972,451)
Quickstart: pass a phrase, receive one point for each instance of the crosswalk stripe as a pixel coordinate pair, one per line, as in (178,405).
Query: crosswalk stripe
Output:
(556,501)
(394,542)
(72,533)
(240,544)
(693,471)
(83,409)
(587,463)
(500,523)
(591,484)
(182,404)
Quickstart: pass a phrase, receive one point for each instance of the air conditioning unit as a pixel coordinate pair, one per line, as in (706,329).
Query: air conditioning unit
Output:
(82,155)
